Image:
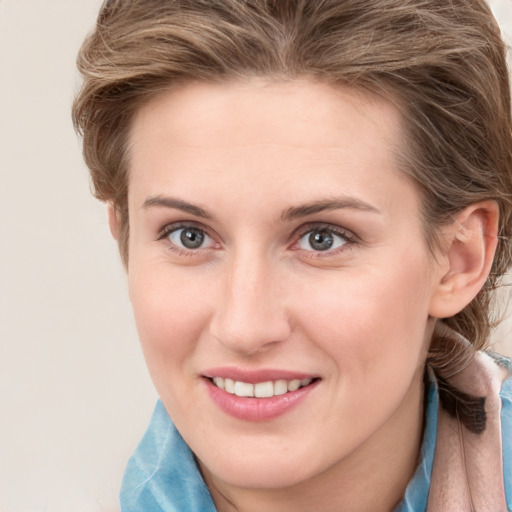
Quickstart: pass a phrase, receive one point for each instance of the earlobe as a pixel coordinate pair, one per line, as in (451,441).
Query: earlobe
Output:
(470,244)
(113,220)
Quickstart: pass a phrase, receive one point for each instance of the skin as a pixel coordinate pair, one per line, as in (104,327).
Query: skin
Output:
(257,294)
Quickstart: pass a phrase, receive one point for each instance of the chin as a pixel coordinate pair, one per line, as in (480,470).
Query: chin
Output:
(260,468)
(266,475)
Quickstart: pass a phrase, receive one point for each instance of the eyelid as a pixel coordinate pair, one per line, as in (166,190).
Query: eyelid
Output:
(167,229)
(318,226)
(347,234)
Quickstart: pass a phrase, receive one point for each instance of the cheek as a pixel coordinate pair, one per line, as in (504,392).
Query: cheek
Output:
(370,320)
(170,311)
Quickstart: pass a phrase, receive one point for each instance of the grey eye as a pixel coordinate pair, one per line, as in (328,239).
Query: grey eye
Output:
(321,240)
(189,238)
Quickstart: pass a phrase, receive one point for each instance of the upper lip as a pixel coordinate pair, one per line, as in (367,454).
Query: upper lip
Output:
(255,376)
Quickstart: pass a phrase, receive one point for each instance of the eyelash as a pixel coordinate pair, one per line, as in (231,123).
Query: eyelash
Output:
(349,238)
(164,233)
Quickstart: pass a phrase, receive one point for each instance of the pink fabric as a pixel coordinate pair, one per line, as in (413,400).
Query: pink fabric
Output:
(467,475)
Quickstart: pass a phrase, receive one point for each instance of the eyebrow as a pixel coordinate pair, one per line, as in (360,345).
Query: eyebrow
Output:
(177,204)
(292,213)
(350,203)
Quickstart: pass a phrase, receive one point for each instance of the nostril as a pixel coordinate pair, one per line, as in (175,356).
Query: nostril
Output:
(248,337)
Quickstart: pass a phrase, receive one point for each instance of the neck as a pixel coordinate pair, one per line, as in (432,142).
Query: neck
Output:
(377,472)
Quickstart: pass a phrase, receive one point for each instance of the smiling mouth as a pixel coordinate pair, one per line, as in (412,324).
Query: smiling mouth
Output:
(266,389)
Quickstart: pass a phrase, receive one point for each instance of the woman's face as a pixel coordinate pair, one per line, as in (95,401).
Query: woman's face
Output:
(274,243)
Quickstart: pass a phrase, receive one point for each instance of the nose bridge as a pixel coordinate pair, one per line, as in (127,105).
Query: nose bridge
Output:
(251,314)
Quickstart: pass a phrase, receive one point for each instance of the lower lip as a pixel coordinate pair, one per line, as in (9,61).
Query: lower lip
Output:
(257,409)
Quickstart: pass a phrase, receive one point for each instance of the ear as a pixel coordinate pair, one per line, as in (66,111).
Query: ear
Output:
(113,220)
(466,258)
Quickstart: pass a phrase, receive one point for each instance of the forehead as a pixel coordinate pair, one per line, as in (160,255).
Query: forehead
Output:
(295,112)
(306,136)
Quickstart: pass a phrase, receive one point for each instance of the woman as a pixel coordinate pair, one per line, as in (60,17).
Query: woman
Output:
(313,203)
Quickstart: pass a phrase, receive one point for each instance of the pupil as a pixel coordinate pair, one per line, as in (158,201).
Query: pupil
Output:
(192,238)
(321,240)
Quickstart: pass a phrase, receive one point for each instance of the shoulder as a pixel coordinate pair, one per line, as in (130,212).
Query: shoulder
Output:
(162,474)
(506,412)
(506,390)
(501,360)
(506,430)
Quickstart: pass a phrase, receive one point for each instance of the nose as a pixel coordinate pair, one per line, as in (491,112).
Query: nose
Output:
(251,315)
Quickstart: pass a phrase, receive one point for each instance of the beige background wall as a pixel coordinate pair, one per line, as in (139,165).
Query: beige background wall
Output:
(74,393)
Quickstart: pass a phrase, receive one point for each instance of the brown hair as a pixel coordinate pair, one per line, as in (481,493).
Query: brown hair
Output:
(441,61)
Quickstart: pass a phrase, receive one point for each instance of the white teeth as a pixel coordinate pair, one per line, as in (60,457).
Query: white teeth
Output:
(293,385)
(244,389)
(261,389)
(264,389)
(280,387)
(229,386)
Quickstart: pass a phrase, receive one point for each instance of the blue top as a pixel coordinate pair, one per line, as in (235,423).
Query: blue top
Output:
(162,475)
